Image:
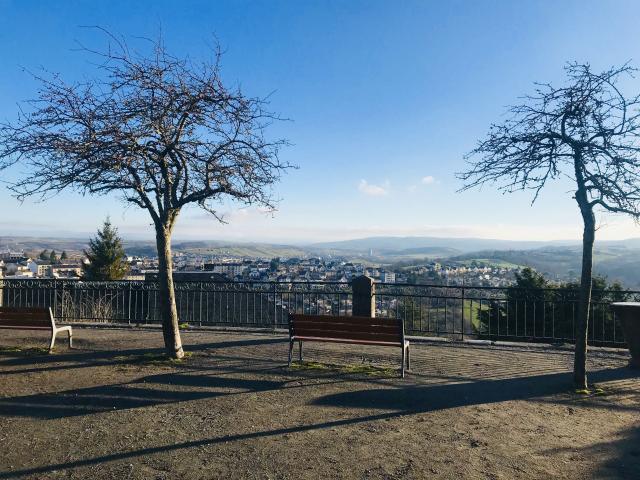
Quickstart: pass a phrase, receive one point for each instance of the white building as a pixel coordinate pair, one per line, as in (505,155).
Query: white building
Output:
(388,277)
(231,269)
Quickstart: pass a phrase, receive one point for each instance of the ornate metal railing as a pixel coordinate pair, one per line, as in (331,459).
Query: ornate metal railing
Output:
(502,313)
(540,315)
(251,304)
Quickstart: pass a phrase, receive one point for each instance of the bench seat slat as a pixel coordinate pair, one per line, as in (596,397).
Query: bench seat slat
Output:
(23,314)
(349,320)
(26,318)
(22,326)
(372,336)
(34,310)
(346,327)
(25,321)
(343,340)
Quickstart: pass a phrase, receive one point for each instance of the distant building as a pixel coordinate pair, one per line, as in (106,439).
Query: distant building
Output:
(10,256)
(388,277)
(231,269)
(66,270)
(40,268)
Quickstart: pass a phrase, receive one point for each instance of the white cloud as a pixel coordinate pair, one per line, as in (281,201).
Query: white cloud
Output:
(428,180)
(373,190)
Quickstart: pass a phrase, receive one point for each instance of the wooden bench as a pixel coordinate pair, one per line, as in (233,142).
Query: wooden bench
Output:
(18,318)
(388,332)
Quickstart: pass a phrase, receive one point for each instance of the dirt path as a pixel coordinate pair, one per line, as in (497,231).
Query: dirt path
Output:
(112,409)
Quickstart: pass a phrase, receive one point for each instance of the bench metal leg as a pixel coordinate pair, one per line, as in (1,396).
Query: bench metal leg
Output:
(403,357)
(408,358)
(300,351)
(57,331)
(290,351)
(53,340)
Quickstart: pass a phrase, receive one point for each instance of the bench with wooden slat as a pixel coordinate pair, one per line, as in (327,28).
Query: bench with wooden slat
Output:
(32,318)
(388,332)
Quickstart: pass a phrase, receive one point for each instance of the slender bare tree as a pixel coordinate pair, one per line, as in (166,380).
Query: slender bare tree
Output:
(587,130)
(161,131)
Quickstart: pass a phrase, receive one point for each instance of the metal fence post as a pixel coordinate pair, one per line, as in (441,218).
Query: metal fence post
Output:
(129,306)
(275,307)
(462,329)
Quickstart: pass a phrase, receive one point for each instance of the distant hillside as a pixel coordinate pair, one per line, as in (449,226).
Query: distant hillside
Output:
(262,250)
(563,263)
(34,245)
(390,245)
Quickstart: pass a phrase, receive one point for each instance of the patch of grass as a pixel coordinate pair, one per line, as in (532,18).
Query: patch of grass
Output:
(24,352)
(152,359)
(594,390)
(362,369)
(184,325)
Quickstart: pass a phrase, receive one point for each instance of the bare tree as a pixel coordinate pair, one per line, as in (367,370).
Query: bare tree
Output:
(588,131)
(159,130)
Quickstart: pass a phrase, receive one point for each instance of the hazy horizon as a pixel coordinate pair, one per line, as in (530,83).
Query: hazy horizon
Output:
(177,239)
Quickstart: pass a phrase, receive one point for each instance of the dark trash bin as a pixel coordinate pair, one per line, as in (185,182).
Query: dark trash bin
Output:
(629,315)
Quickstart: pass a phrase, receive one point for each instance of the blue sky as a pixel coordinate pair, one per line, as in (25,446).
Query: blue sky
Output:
(385,97)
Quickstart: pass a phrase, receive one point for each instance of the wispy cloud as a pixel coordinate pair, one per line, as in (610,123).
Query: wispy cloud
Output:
(373,190)
(428,180)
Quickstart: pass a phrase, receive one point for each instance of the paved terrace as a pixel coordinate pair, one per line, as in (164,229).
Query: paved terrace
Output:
(111,409)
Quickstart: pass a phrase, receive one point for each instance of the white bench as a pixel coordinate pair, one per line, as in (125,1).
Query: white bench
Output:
(30,318)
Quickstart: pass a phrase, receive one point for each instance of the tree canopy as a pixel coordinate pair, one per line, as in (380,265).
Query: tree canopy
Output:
(162,131)
(106,257)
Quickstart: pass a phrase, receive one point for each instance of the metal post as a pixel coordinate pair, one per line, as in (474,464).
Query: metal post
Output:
(275,306)
(462,330)
(129,306)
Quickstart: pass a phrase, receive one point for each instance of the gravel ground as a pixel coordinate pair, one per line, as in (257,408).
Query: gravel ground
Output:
(113,408)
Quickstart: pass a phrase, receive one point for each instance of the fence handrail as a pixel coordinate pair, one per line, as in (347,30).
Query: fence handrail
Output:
(317,282)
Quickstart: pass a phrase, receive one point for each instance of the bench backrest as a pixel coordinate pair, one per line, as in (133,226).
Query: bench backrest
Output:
(27,317)
(390,330)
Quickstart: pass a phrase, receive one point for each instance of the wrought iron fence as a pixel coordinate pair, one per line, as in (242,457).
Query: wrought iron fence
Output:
(502,313)
(251,304)
(540,315)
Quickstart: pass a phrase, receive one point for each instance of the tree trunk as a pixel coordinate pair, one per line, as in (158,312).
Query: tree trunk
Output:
(168,310)
(582,324)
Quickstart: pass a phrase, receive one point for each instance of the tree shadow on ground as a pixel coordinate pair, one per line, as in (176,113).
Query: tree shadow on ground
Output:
(620,458)
(144,392)
(426,398)
(41,361)
(401,401)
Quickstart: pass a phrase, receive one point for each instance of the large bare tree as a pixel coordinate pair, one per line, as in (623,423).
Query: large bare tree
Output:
(162,131)
(588,131)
